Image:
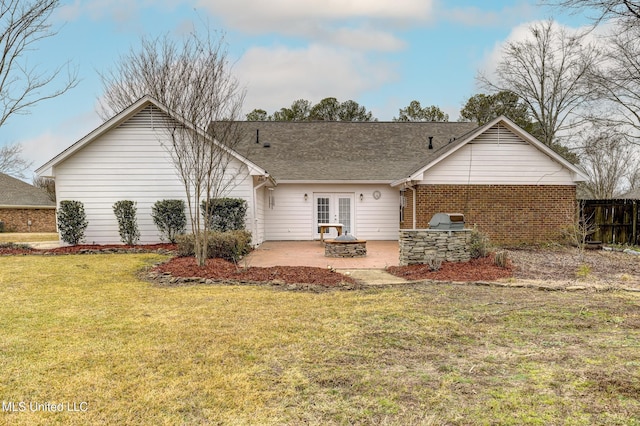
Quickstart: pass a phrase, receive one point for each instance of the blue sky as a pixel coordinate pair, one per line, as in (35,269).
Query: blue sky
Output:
(380,53)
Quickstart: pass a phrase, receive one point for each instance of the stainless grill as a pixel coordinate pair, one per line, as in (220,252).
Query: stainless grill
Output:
(447,221)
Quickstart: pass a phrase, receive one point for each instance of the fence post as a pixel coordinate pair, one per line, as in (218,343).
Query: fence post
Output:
(634,227)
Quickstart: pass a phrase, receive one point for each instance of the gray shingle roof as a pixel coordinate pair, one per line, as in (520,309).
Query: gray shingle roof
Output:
(330,150)
(14,192)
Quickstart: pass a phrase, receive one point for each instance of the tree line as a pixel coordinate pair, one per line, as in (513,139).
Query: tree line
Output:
(330,109)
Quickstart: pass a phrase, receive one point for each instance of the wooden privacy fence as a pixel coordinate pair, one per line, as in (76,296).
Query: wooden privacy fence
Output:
(616,220)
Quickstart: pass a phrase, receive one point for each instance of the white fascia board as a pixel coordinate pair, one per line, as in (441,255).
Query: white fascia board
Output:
(47,168)
(321,182)
(403,182)
(46,172)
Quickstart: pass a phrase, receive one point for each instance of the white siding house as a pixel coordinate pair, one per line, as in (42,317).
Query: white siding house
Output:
(368,211)
(128,158)
(295,175)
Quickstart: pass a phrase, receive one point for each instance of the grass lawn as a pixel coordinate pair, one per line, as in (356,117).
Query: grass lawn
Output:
(12,237)
(84,331)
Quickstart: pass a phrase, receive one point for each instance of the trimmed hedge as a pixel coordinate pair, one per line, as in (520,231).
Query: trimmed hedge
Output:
(225,214)
(125,212)
(72,221)
(229,245)
(170,218)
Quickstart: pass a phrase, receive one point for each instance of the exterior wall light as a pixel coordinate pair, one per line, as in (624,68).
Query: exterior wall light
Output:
(361,196)
(306,197)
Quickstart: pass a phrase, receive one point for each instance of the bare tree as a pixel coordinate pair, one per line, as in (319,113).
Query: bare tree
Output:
(608,160)
(617,81)
(633,179)
(549,72)
(46,184)
(625,11)
(23,24)
(11,161)
(192,78)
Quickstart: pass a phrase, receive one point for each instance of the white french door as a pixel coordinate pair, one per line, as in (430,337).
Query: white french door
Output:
(333,208)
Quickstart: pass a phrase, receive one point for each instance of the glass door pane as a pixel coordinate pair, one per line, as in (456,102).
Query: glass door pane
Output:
(344,213)
(322,211)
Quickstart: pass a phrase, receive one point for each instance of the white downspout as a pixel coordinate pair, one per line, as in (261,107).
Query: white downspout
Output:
(255,207)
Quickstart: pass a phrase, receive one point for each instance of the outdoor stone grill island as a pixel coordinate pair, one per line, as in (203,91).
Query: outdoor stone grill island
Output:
(445,239)
(345,245)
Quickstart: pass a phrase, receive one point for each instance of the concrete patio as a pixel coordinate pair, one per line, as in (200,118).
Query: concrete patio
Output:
(380,254)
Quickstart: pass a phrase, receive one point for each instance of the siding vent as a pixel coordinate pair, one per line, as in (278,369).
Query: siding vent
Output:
(149,117)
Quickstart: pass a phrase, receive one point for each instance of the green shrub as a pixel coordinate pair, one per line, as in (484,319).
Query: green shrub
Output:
(229,245)
(225,214)
(125,212)
(170,218)
(479,246)
(72,221)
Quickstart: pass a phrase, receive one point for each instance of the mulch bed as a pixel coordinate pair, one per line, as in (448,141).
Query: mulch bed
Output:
(482,269)
(221,270)
(10,249)
(184,269)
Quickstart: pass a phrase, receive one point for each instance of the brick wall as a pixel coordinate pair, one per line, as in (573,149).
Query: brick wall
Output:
(17,220)
(508,214)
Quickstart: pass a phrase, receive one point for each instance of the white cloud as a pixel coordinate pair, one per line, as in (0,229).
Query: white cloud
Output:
(120,11)
(481,17)
(365,39)
(275,77)
(361,24)
(69,12)
(253,15)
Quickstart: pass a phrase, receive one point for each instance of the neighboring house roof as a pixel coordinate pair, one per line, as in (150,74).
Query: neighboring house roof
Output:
(345,151)
(16,193)
(115,121)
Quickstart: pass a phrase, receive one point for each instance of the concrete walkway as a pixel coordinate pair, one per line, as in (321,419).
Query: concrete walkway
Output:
(373,276)
(44,245)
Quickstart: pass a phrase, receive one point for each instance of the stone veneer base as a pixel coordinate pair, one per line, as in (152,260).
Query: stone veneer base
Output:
(417,246)
(345,248)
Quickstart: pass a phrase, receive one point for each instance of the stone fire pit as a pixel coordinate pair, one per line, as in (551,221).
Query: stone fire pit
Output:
(345,246)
